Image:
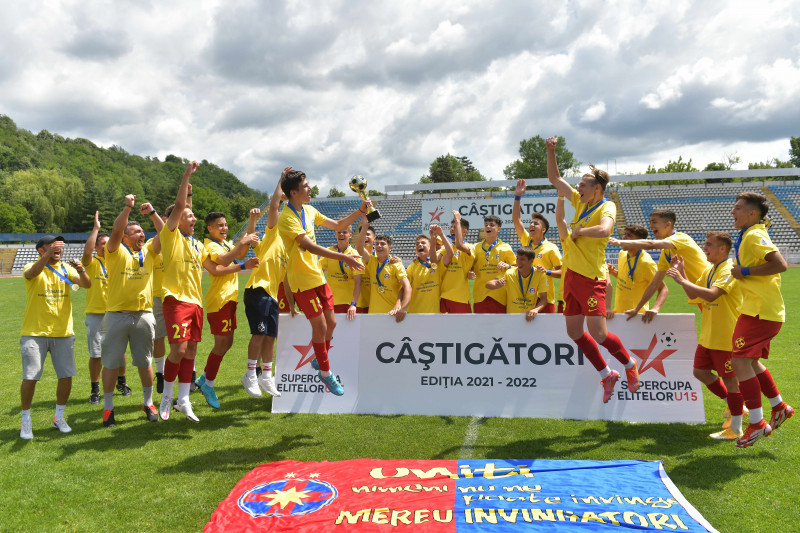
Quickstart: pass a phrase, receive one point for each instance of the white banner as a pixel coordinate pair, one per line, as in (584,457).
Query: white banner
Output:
(441,211)
(489,365)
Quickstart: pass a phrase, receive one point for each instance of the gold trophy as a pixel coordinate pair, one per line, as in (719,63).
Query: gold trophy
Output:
(359,186)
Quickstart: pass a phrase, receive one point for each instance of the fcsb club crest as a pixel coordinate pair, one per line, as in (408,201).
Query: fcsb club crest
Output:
(287,497)
(739,343)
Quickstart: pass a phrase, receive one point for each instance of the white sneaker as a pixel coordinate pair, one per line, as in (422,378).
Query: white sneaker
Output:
(251,386)
(61,425)
(267,383)
(186,409)
(165,407)
(26,431)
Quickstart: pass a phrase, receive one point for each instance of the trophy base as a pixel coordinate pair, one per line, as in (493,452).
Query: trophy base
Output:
(372,216)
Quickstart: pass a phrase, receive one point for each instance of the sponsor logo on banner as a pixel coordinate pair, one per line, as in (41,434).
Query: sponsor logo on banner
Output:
(440,211)
(498,365)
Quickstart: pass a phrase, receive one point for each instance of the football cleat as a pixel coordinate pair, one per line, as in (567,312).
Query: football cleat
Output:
(94,397)
(333,384)
(314,364)
(251,386)
(210,394)
(61,425)
(26,430)
(632,375)
(165,407)
(753,433)
(780,414)
(124,389)
(186,409)
(108,418)
(150,412)
(267,382)
(726,434)
(608,384)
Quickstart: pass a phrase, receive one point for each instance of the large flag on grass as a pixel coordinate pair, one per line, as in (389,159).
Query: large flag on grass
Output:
(465,496)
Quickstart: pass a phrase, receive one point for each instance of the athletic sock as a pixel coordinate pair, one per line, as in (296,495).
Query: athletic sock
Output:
(171,371)
(209,382)
(589,348)
(60,411)
(321,353)
(160,364)
(751,392)
(328,345)
(26,415)
(735,403)
(147,395)
(169,388)
(252,364)
(719,389)
(768,386)
(604,373)
(212,366)
(95,386)
(267,368)
(616,349)
(631,363)
(736,424)
(186,370)
(183,392)
(108,401)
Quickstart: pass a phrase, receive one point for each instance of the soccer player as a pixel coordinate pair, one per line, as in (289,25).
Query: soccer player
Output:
(362,305)
(587,275)
(526,288)
(159,348)
(47,326)
(671,243)
(548,258)
(183,298)
(455,286)
(762,313)
(262,300)
(343,281)
(426,272)
(129,316)
(721,298)
(95,303)
(312,294)
(491,257)
(389,286)
(222,295)
(634,273)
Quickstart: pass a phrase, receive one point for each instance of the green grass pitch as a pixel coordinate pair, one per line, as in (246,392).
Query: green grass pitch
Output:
(170,476)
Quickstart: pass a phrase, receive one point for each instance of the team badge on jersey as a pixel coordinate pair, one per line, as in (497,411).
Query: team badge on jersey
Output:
(287,497)
(739,343)
(591,302)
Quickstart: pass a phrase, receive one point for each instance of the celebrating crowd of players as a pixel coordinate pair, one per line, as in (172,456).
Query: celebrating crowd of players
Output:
(140,293)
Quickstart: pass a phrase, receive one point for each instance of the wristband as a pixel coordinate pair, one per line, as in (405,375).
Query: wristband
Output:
(189,194)
(153,212)
(745,271)
(241,266)
(549,272)
(517,198)
(352,304)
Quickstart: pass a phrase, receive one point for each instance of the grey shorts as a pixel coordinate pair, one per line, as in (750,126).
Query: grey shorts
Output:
(158,313)
(94,333)
(34,352)
(121,329)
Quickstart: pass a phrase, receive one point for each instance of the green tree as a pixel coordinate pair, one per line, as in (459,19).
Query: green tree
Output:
(335,193)
(314,191)
(533,160)
(451,169)
(15,219)
(794,151)
(714,167)
(373,192)
(771,163)
(673,166)
(52,200)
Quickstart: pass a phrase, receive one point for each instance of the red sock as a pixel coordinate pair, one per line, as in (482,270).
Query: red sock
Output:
(736,403)
(170,370)
(615,348)
(589,348)
(751,392)
(212,365)
(768,386)
(321,354)
(718,388)
(185,372)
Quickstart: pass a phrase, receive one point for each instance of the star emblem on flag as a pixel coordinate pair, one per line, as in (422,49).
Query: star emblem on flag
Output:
(287,497)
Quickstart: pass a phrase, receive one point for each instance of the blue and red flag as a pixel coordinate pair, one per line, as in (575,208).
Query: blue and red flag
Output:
(500,496)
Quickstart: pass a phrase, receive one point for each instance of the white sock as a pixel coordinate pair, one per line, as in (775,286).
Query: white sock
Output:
(325,373)
(147,394)
(26,415)
(169,389)
(266,367)
(605,372)
(183,392)
(209,382)
(756,415)
(736,424)
(159,365)
(60,411)
(252,364)
(776,401)
(631,363)
(108,401)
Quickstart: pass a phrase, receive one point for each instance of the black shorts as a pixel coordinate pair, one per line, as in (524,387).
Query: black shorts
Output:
(262,312)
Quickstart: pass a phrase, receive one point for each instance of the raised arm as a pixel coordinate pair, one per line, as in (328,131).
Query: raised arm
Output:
(561,219)
(564,188)
(275,201)
(460,244)
(220,270)
(158,224)
(36,268)
(361,245)
(447,256)
(516,212)
(642,244)
(181,198)
(120,223)
(88,248)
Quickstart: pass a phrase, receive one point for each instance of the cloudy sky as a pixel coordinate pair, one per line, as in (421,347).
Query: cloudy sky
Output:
(383,88)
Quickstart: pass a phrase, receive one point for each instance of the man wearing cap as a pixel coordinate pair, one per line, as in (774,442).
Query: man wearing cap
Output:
(47,327)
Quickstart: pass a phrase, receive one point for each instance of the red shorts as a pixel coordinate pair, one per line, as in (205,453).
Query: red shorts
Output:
(548,308)
(342,308)
(751,336)
(719,360)
(362,310)
(313,301)
(489,306)
(560,307)
(223,322)
(283,303)
(184,320)
(455,308)
(584,296)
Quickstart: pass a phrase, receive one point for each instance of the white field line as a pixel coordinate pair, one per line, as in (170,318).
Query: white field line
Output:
(470,438)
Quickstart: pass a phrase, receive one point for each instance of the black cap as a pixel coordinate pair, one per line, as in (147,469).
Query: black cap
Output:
(47,239)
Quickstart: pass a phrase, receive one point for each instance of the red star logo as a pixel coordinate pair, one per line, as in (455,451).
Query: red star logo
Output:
(657,363)
(436,215)
(304,357)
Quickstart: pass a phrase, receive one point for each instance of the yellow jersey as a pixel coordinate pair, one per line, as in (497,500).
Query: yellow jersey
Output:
(158,272)
(383,295)
(130,278)
(761,295)
(587,255)
(719,317)
(634,275)
(341,278)
(223,288)
(303,266)
(455,285)
(183,266)
(522,294)
(694,259)
(96,294)
(485,266)
(547,255)
(48,306)
(271,270)
(426,282)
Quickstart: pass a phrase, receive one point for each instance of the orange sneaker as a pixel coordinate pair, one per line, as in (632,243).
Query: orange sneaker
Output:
(753,433)
(780,414)
(608,385)
(726,434)
(632,375)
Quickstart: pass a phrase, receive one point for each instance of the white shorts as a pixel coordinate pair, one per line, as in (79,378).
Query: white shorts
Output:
(122,328)
(34,352)
(158,313)
(94,333)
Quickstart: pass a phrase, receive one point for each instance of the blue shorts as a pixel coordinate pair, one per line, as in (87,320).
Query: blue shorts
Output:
(262,312)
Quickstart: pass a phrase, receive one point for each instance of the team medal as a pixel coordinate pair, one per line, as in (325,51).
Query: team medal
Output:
(381,289)
(75,287)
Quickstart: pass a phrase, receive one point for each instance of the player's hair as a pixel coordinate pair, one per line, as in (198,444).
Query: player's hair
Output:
(168,210)
(637,230)
(493,218)
(465,224)
(384,237)
(421,236)
(358,228)
(131,223)
(543,219)
(600,177)
(527,251)
(212,216)
(664,214)
(100,236)
(755,201)
(722,237)
(292,181)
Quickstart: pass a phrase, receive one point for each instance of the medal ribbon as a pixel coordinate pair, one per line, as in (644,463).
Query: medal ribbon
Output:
(587,212)
(379,270)
(303,218)
(341,263)
(223,244)
(194,245)
(60,275)
(525,290)
(105,274)
(739,242)
(487,252)
(631,269)
(141,255)
(710,279)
